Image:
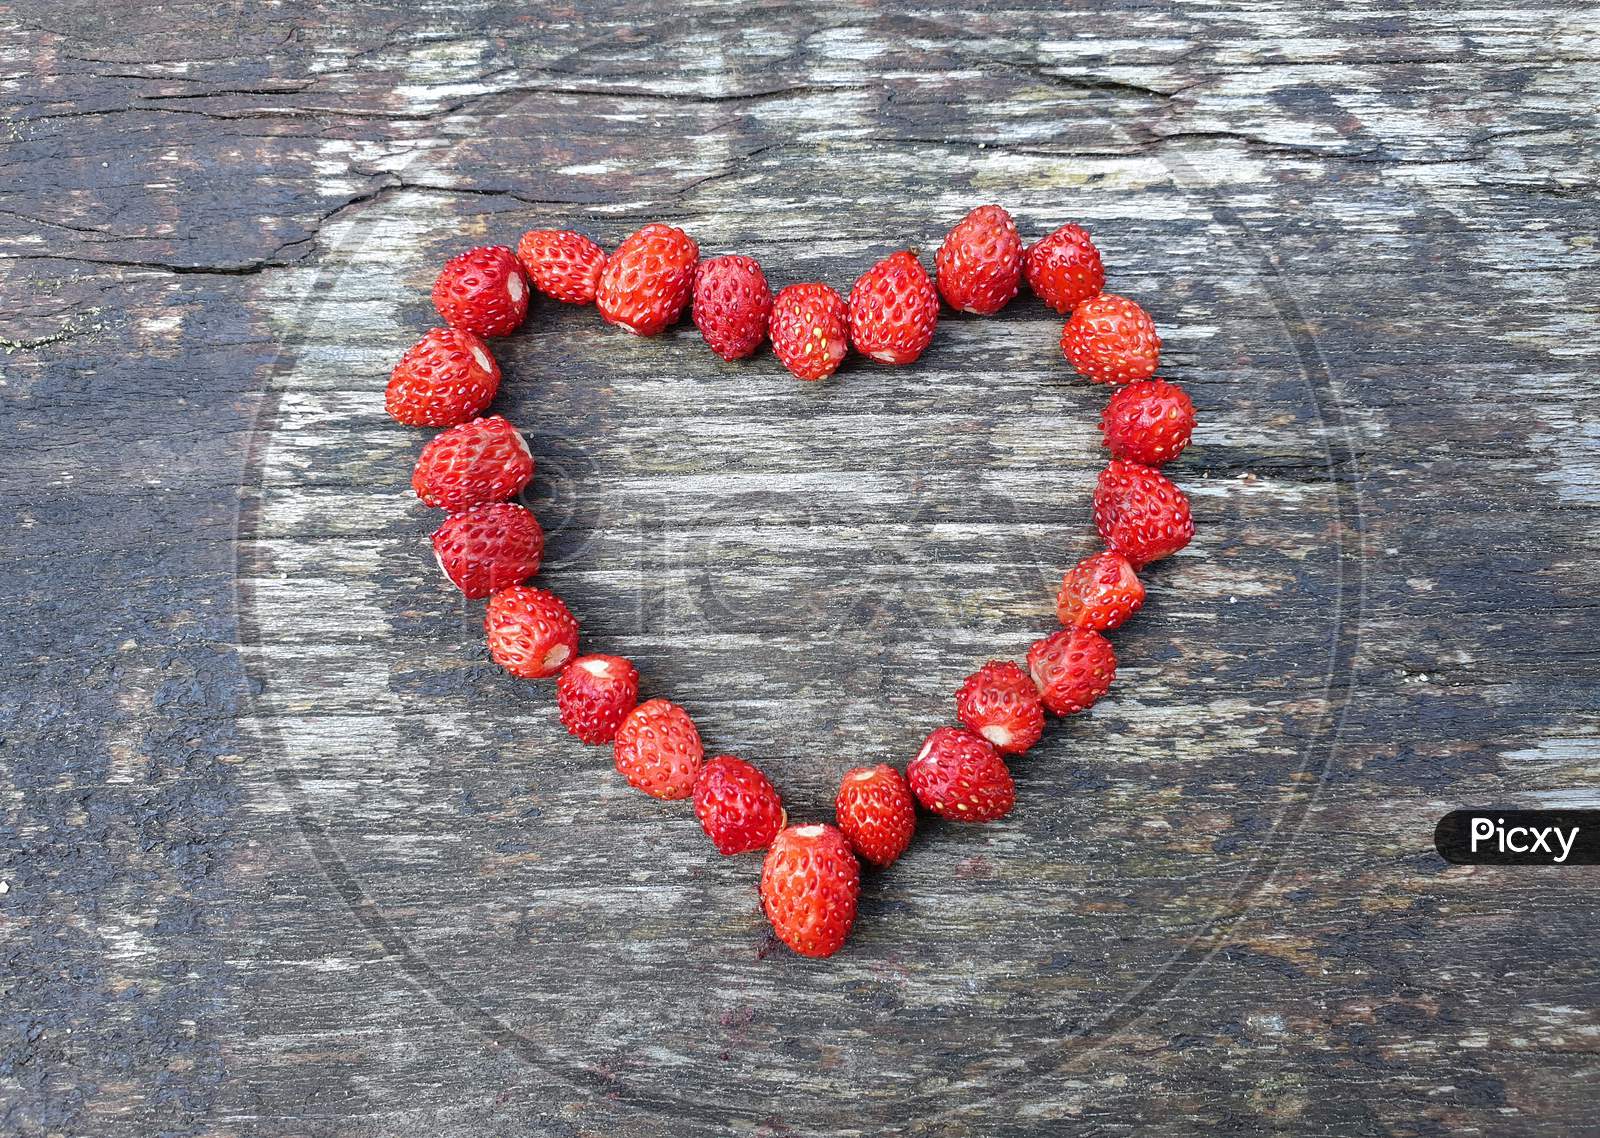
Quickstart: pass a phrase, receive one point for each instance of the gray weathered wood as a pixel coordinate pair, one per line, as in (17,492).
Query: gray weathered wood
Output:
(286,855)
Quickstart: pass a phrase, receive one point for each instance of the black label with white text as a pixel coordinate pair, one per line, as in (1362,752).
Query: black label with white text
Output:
(1519,837)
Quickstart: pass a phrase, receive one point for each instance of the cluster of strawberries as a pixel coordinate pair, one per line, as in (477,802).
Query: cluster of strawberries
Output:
(489,546)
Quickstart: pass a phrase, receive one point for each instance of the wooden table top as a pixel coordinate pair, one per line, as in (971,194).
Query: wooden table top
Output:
(285,854)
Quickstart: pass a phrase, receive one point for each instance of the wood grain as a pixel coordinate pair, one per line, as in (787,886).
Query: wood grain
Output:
(286,855)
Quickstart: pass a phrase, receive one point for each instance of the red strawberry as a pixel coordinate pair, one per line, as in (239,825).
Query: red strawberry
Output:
(980,262)
(562,264)
(482,291)
(810,882)
(876,812)
(445,378)
(893,310)
(731,305)
(737,806)
(810,330)
(999,702)
(1148,422)
(647,281)
(482,460)
(1064,268)
(1110,339)
(595,694)
(1099,593)
(489,547)
(1072,668)
(658,750)
(1140,513)
(960,776)
(531,633)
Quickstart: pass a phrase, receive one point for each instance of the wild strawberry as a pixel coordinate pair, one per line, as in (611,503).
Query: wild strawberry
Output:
(647,281)
(489,547)
(531,633)
(1072,668)
(445,378)
(960,776)
(810,330)
(893,310)
(1064,268)
(658,750)
(1110,339)
(1099,593)
(1140,513)
(810,882)
(980,263)
(482,291)
(1149,422)
(737,805)
(482,460)
(731,305)
(562,264)
(595,694)
(999,702)
(876,812)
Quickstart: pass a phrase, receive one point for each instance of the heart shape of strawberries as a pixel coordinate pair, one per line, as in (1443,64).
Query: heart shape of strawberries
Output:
(489,546)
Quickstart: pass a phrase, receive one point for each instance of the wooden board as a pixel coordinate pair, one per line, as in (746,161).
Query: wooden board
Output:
(285,854)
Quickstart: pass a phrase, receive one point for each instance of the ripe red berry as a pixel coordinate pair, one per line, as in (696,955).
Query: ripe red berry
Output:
(1140,513)
(562,264)
(531,633)
(1064,268)
(810,882)
(482,460)
(737,805)
(893,310)
(980,263)
(810,330)
(658,750)
(482,291)
(999,702)
(731,305)
(647,281)
(1149,422)
(960,776)
(594,695)
(1110,339)
(1072,668)
(488,548)
(1099,593)
(445,378)
(876,813)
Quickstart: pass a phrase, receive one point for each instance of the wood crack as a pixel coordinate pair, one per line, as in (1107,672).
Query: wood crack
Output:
(446,109)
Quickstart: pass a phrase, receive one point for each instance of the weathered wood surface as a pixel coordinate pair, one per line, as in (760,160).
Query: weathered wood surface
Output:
(285,856)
